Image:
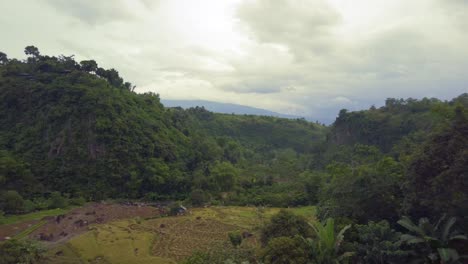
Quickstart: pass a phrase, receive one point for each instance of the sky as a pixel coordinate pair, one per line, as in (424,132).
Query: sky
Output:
(302,57)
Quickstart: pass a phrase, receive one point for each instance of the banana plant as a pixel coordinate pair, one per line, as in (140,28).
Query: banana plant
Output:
(432,243)
(326,244)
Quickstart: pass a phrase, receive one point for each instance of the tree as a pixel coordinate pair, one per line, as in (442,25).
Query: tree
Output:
(57,201)
(89,65)
(285,224)
(32,51)
(3,58)
(437,179)
(11,202)
(224,175)
(286,250)
(16,251)
(197,197)
(377,242)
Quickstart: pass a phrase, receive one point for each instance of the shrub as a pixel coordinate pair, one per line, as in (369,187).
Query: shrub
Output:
(235,238)
(11,202)
(15,251)
(433,243)
(285,224)
(29,206)
(79,201)
(286,250)
(57,201)
(197,197)
(379,243)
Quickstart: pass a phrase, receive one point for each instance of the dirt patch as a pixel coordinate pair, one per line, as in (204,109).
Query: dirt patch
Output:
(63,227)
(14,229)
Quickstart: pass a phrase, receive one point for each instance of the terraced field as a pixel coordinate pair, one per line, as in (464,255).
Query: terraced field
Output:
(164,240)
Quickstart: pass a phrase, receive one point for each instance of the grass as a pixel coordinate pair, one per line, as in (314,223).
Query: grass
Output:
(165,240)
(29,230)
(110,243)
(12,219)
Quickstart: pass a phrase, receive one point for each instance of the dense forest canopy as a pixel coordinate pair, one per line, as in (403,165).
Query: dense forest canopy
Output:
(79,131)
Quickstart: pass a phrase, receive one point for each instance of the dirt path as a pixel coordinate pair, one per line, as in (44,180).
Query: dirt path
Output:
(10,230)
(61,228)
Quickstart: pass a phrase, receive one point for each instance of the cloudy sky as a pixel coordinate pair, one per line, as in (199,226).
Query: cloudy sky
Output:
(303,57)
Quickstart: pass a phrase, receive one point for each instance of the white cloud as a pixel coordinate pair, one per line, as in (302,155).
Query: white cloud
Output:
(309,57)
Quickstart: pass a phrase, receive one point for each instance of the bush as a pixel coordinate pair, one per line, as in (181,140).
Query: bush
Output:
(79,201)
(377,243)
(286,250)
(41,203)
(11,202)
(14,251)
(197,197)
(285,224)
(235,238)
(57,201)
(29,206)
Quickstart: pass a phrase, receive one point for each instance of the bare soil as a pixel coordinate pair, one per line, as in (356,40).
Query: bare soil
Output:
(61,228)
(11,230)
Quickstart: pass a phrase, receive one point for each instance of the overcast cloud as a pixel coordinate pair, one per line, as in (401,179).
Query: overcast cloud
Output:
(303,57)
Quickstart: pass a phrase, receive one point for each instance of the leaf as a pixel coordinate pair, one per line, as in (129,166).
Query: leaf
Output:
(447,254)
(448,225)
(459,237)
(410,239)
(408,224)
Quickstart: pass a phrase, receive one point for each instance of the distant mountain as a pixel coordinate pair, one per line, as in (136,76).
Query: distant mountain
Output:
(225,108)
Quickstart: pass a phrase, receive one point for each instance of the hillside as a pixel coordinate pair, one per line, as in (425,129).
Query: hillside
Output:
(72,132)
(79,129)
(225,108)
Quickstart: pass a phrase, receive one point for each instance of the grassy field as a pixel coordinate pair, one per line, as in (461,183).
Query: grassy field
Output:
(11,219)
(164,240)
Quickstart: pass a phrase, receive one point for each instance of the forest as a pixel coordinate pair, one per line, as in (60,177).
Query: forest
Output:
(393,179)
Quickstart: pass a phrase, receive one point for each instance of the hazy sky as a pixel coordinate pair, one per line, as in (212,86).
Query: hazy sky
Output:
(309,57)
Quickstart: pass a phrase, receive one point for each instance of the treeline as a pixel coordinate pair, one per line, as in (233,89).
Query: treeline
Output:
(72,132)
(75,128)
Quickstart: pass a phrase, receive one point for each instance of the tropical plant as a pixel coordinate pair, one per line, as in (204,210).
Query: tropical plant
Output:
(378,243)
(285,224)
(326,244)
(286,250)
(432,243)
(20,251)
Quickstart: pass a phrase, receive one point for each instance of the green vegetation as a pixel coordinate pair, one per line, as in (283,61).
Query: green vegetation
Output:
(32,216)
(29,230)
(16,251)
(72,132)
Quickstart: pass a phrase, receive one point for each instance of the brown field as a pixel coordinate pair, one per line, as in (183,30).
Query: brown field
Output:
(63,227)
(164,240)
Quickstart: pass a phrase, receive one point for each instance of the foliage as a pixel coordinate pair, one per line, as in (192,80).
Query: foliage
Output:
(11,202)
(16,251)
(368,191)
(377,242)
(235,238)
(436,182)
(198,197)
(285,224)
(57,201)
(433,243)
(221,255)
(326,243)
(290,250)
